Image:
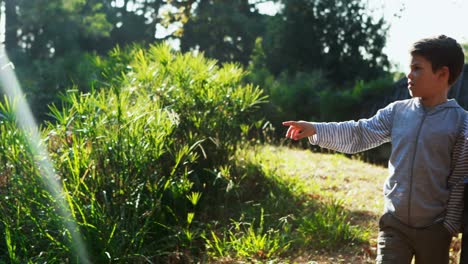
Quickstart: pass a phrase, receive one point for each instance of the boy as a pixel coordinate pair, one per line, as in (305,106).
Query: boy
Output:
(424,191)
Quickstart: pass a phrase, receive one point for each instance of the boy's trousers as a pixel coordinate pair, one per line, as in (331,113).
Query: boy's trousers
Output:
(398,243)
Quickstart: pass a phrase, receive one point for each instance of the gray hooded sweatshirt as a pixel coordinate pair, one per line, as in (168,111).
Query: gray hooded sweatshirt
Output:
(428,160)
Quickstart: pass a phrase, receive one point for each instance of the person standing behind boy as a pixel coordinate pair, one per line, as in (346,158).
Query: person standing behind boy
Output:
(423,193)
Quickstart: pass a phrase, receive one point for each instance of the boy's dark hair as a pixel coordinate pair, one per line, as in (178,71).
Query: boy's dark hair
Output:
(441,51)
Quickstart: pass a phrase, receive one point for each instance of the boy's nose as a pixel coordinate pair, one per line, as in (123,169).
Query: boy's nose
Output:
(409,75)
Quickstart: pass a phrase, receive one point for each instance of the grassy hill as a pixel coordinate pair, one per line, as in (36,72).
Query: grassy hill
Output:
(333,191)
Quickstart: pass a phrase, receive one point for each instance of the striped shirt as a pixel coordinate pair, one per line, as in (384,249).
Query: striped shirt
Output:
(428,163)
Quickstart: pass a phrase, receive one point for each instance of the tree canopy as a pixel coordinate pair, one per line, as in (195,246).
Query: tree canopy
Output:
(225,30)
(339,37)
(50,40)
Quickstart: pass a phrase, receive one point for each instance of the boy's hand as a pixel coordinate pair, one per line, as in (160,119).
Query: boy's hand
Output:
(299,129)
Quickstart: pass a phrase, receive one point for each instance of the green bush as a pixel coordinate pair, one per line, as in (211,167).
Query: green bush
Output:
(358,102)
(293,96)
(129,157)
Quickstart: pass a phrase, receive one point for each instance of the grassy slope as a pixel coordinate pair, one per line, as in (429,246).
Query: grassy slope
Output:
(332,176)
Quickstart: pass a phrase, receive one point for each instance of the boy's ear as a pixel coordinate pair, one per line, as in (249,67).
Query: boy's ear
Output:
(443,73)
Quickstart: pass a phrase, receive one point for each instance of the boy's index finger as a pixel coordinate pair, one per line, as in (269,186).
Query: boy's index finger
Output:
(289,123)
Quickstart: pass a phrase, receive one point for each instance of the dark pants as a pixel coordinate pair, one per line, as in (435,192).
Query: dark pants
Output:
(398,243)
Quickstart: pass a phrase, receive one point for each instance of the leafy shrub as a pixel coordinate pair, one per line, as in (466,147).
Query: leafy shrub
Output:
(211,101)
(128,156)
(295,97)
(355,103)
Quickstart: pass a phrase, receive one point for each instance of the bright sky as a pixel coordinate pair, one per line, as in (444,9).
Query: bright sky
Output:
(419,19)
(411,20)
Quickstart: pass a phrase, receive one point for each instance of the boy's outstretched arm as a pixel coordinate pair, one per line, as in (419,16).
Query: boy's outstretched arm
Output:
(299,129)
(347,137)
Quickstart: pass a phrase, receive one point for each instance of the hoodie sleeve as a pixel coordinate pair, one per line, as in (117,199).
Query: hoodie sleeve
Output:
(355,136)
(453,217)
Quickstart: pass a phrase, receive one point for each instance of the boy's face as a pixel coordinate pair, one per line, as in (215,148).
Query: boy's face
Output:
(422,81)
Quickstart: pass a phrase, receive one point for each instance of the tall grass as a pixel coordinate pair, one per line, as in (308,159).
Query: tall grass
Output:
(328,226)
(128,155)
(249,240)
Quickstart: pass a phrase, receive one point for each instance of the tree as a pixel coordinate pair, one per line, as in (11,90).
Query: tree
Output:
(45,40)
(137,20)
(224,30)
(52,28)
(49,40)
(336,36)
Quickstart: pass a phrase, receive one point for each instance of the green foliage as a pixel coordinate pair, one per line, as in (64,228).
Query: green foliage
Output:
(47,41)
(223,30)
(144,144)
(258,72)
(339,37)
(292,96)
(39,23)
(50,41)
(328,227)
(358,102)
(43,80)
(51,28)
(312,96)
(211,101)
(245,241)
(127,156)
(298,96)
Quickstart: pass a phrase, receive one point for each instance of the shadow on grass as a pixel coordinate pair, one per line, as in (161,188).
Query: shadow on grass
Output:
(307,221)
